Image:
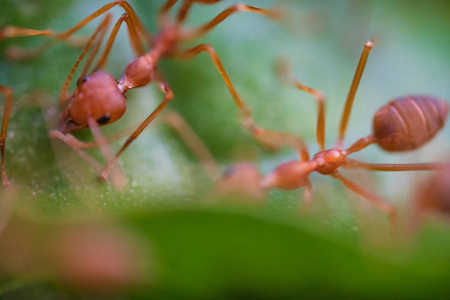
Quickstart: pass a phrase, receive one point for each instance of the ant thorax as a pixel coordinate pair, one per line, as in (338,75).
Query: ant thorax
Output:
(139,72)
(329,160)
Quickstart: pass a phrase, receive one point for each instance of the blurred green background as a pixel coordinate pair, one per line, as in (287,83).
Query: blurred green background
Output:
(190,244)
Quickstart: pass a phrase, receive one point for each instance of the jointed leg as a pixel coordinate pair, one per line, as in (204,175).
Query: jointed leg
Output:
(352,92)
(162,15)
(96,43)
(195,33)
(12,31)
(320,99)
(118,179)
(308,193)
(177,123)
(6,114)
(18,53)
(284,73)
(379,202)
(185,7)
(134,37)
(136,24)
(76,145)
(127,7)
(168,96)
(95,39)
(187,54)
(183,11)
(133,33)
(353,164)
(264,136)
(276,139)
(70,139)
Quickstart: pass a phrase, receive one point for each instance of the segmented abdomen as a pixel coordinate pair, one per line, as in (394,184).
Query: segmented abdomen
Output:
(409,122)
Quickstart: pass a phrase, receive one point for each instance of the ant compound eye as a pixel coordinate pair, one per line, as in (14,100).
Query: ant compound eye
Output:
(82,80)
(104,119)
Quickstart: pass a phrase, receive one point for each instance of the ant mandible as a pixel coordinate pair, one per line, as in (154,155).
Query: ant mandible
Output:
(99,99)
(404,124)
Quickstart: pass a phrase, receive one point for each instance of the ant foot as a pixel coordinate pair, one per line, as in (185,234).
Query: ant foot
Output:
(103,176)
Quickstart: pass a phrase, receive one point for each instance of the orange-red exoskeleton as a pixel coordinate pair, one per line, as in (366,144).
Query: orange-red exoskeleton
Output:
(404,124)
(99,99)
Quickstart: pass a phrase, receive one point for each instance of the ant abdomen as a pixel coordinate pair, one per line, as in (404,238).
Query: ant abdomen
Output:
(409,122)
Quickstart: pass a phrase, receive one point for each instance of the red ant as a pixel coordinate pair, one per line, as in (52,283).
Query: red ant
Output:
(404,124)
(99,99)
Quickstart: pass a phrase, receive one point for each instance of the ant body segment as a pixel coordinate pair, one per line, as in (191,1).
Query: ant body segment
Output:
(99,99)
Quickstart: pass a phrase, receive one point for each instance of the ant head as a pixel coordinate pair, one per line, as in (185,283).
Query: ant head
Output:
(96,96)
(290,175)
(241,181)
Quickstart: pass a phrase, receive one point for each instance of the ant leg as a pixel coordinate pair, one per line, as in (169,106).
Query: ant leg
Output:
(96,43)
(183,11)
(202,30)
(17,53)
(320,99)
(134,37)
(187,54)
(353,164)
(136,22)
(132,33)
(6,114)
(12,31)
(166,8)
(308,193)
(118,179)
(90,145)
(264,136)
(76,145)
(284,73)
(379,202)
(179,125)
(163,12)
(276,139)
(95,40)
(164,86)
(352,92)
